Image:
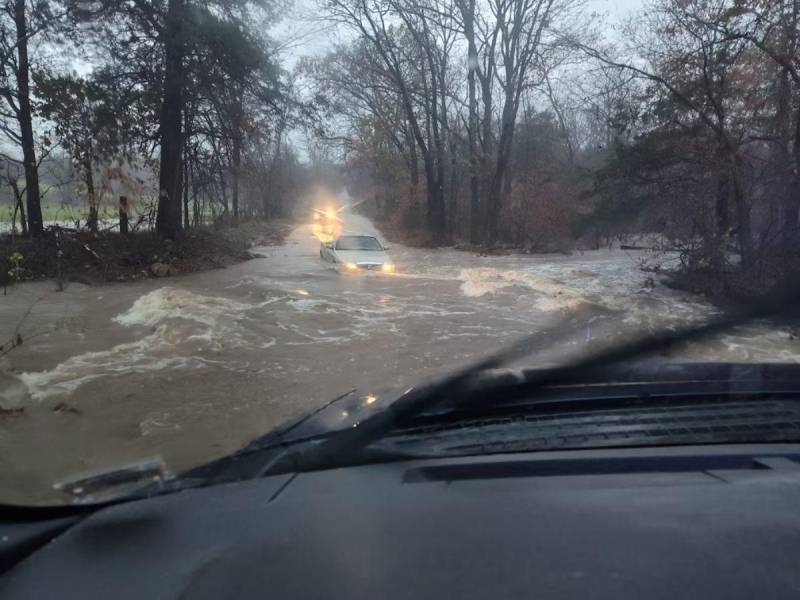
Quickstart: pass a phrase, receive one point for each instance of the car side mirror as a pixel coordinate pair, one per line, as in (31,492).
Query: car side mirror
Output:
(386,247)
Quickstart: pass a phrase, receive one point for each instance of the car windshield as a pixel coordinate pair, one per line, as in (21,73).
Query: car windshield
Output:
(358,242)
(195,196)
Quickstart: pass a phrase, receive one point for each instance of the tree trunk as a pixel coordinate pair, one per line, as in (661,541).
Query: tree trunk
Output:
(195,206)
(486,151)
(223,186)
(19,207)
(745,230)
(123,215)
(24,116)
(413,165)
(791,206)
(168,217)
(270,196)
(498,181)
(236,160)
(236,154)
(454,209)
(435,196)
(435,168)
(185,192)
(185,167)
(434,165)
(91,199)
(204,206)
(495,196)
(447,158)
(721,223)
(468,16)
(265,200)
(791,213)
(435,209)
(784,164)
(437,215)
(474,175)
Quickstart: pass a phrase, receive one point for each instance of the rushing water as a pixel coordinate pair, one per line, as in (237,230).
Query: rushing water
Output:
(192,367)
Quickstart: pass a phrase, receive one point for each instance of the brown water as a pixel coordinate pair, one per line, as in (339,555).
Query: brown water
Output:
(193,367)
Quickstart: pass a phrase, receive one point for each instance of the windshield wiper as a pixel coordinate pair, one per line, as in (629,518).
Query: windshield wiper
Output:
(344,446)
(124,480)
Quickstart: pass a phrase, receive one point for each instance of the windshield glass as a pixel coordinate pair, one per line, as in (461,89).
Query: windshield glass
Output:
(176,178)
(360,242)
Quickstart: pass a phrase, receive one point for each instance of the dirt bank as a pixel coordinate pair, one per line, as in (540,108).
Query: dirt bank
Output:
(105,257)
(735,287)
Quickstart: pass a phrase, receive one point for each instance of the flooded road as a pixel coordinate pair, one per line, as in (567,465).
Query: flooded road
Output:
(193,367)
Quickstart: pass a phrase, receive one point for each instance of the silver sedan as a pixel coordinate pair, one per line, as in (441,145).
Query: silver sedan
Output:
(356,252)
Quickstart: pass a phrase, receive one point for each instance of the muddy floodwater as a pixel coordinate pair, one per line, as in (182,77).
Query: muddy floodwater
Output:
(189,368)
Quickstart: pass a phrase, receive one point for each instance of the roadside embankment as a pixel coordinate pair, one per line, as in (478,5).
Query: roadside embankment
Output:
(107,256)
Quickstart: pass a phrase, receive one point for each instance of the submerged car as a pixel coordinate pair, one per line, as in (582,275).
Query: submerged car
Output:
(357,252)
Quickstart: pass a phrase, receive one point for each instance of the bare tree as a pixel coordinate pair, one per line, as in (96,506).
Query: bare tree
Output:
(407,56)
(21,23)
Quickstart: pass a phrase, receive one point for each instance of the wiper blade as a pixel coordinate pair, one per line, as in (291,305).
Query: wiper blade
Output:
(346,444)
(119,481)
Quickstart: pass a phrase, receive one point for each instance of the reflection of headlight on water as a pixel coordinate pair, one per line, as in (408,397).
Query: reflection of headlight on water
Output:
(388,268)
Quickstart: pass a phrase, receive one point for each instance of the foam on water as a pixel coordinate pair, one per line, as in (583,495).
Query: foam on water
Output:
(760,344)
(552,294)
(133,357)
(174,303)
(184,325)
(357,315)
(609,280)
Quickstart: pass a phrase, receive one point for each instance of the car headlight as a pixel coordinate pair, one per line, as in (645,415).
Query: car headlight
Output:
(351,266)
(388,268)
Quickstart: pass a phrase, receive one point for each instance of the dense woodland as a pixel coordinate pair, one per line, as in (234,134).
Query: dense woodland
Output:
(179,105)
(527,123)
(534,124)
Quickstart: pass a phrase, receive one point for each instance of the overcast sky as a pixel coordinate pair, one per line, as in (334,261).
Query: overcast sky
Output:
(300,34)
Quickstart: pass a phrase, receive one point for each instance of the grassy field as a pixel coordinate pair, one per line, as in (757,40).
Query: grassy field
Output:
(68,213)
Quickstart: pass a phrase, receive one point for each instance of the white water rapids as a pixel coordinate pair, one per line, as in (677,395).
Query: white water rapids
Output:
(196,366)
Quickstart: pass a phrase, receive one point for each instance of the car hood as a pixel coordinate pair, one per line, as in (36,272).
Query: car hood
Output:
(363,256)
(668,523)
(677,379)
